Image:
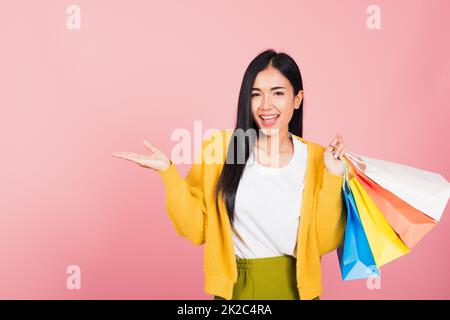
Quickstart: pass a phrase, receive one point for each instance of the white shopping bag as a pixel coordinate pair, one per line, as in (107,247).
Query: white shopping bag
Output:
(424,190)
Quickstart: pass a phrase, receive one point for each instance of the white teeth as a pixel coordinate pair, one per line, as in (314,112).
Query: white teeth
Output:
(269,117)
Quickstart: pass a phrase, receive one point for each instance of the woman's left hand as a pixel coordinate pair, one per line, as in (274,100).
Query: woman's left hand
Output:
(331,156)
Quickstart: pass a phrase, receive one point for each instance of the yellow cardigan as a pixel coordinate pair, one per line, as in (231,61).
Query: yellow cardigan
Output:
(191,206)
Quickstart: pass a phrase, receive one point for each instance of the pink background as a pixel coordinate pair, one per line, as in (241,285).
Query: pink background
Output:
(141,69)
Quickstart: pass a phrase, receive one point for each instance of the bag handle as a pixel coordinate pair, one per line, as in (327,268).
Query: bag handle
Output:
(357,161)
(345,185)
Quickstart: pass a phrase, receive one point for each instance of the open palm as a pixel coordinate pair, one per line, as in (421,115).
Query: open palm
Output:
(157,160)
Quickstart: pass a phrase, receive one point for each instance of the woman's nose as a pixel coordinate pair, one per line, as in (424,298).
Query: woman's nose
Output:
(266,103)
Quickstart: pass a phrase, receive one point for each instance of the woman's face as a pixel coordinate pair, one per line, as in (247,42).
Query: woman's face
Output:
(273,101)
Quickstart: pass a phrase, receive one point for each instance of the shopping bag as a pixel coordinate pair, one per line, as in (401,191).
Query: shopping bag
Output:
(384,242)
(426,191)
(410,224)
(355,256)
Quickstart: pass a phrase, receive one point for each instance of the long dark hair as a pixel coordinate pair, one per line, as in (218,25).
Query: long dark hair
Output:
(232,170)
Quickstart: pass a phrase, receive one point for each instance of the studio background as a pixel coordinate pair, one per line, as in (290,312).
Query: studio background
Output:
(139,70)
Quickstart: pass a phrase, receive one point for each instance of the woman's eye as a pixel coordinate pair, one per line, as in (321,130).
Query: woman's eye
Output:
(279,93)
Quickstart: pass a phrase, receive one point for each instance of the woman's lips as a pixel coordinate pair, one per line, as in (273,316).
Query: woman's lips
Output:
(269,121)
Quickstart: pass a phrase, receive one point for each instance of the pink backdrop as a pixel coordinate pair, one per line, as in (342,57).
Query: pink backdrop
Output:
(141,69)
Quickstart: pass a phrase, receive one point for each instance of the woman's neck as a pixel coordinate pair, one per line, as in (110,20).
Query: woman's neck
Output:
(275,144)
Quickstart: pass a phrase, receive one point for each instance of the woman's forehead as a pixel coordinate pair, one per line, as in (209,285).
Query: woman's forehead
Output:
(267,79)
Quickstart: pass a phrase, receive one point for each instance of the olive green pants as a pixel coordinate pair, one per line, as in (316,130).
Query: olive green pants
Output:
(272,278)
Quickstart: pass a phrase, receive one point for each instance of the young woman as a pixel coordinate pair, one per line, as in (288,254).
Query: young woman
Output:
(266,219)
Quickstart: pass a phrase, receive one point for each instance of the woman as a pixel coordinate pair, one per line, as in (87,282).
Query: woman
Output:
(280,202)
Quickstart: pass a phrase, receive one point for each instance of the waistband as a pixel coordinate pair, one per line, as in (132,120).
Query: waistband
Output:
(243,263)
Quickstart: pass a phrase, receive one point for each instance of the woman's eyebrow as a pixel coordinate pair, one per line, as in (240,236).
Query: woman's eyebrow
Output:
(273,88)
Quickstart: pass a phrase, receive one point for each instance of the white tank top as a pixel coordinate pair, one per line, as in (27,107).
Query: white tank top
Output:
(267,207)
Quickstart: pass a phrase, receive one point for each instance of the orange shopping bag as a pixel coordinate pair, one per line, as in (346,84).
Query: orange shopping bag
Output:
(410,224)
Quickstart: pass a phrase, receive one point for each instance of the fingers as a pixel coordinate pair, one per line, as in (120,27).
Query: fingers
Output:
(337,146)
(127,156)
(124,154)
(149,146)
(338,138)
(134,156)
(339,154)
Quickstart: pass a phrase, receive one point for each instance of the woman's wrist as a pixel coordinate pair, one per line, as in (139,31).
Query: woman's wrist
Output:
(335,172)
(166,167)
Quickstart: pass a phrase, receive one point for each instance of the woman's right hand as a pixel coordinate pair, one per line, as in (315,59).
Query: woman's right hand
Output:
(157,160)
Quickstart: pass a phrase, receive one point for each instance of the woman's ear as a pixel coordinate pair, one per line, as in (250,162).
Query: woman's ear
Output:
(298,99)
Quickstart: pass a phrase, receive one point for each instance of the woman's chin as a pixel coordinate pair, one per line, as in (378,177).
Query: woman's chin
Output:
(269,131)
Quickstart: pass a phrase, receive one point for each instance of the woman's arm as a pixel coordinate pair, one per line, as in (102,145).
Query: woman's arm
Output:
(185,201)
(330,213)
(184,196)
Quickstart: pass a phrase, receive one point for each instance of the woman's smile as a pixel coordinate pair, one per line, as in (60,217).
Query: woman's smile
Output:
(269,120)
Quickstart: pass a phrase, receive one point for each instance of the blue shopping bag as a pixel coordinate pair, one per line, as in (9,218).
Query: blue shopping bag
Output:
(355,256)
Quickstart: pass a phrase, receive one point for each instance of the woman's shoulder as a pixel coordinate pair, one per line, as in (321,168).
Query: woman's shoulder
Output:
(313,146)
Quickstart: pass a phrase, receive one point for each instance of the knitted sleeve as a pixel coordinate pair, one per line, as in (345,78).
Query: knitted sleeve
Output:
(330,212)
(185,200)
